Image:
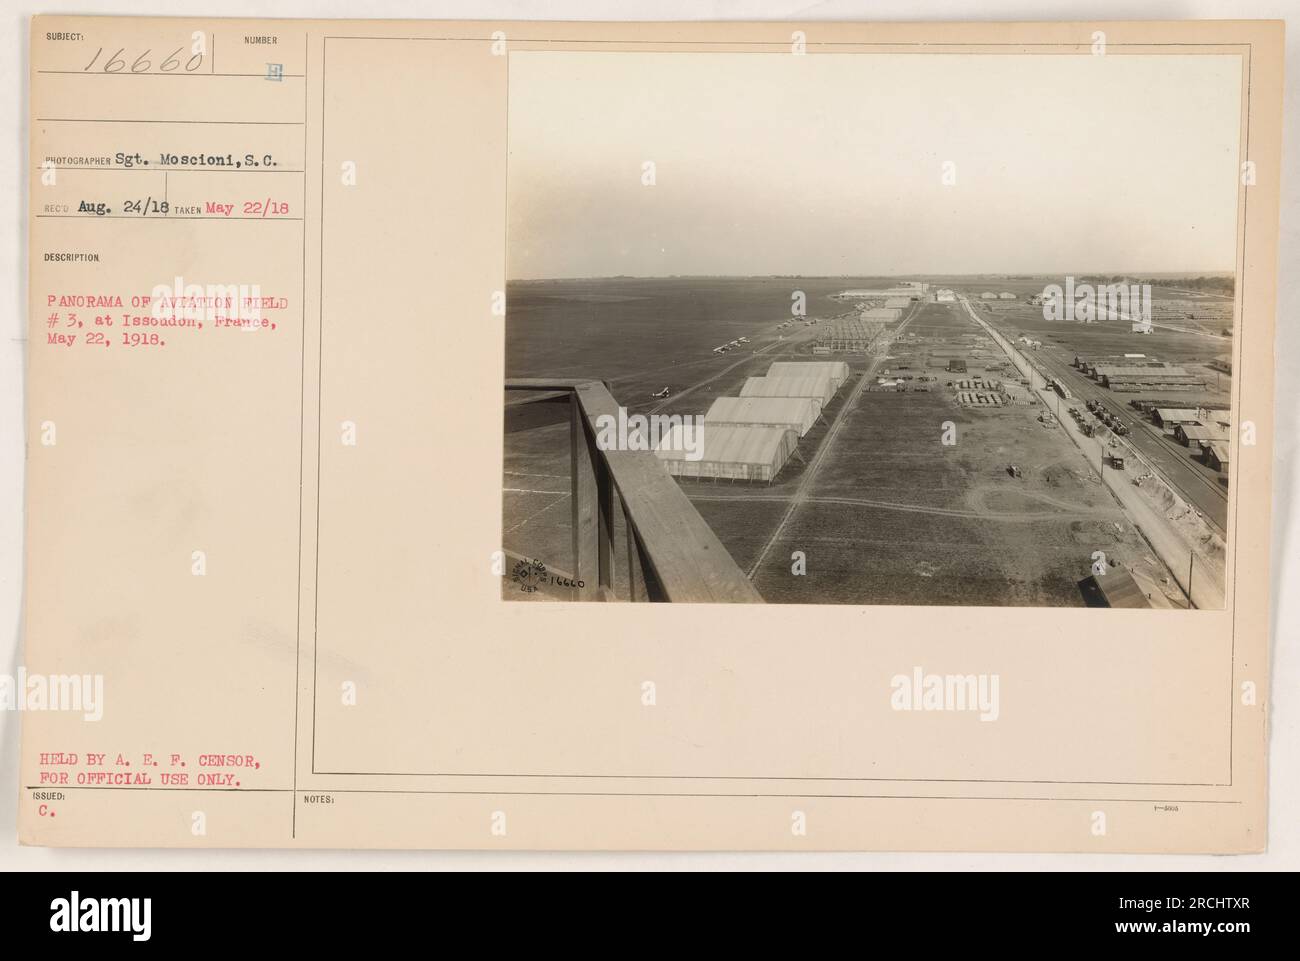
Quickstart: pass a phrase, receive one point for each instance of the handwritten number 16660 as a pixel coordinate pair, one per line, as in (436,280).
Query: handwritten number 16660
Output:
(142,64)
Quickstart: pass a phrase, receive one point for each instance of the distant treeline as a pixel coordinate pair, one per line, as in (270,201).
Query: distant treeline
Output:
(1222,285)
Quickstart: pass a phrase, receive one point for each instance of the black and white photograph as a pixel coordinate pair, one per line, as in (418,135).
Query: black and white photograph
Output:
(872,328)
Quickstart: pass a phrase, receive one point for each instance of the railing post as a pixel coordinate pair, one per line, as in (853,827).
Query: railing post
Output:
(586,510)
(630,537)
(605,527)
(671,550)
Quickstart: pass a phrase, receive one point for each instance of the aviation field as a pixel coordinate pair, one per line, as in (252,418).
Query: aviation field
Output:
(937,444)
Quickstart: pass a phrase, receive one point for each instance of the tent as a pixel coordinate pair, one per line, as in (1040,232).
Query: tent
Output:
(799,413)
(818,387)
(738,453)
(836,370)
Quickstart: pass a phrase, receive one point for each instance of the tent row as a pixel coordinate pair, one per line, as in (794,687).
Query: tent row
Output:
(751,437)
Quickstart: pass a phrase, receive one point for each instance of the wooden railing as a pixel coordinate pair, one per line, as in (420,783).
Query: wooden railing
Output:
(671,553)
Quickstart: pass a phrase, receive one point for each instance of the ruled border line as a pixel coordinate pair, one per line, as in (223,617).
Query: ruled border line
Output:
(1247,46)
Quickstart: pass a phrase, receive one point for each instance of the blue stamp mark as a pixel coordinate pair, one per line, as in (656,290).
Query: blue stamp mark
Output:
(275,71)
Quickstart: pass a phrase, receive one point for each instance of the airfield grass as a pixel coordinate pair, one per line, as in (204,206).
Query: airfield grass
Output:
(896,517)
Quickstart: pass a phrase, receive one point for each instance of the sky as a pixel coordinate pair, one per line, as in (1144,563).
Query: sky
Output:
(834,163)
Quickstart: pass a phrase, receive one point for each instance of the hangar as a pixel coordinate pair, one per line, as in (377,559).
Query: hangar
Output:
(836,370)
(731,452)
(799,413)
(817,386)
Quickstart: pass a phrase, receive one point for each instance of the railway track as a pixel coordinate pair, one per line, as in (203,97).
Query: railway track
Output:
(1199,489)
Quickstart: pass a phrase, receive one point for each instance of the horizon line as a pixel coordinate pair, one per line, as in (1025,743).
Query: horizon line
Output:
(1002,274)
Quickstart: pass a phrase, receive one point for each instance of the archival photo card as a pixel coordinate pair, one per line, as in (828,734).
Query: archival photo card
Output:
(657,436)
